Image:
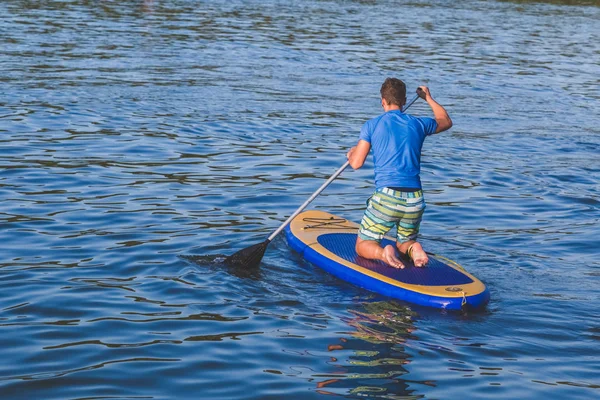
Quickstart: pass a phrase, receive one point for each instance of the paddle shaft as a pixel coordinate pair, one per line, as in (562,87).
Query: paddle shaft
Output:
(309,200)
(323,186)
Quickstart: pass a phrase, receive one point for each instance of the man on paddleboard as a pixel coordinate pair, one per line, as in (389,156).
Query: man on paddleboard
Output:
(396,140)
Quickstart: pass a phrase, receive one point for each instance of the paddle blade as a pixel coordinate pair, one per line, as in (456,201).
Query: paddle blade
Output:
(248,257)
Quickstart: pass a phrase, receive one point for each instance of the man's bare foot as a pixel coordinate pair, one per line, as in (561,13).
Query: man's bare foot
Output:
(389,256)
(418,255)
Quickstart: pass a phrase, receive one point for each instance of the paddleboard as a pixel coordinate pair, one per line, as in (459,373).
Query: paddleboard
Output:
(328,242)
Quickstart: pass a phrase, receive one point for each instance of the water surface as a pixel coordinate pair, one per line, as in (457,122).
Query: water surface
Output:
(141,140)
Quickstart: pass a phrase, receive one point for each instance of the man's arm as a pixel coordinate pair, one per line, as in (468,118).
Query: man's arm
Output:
(440,114)
(358,154)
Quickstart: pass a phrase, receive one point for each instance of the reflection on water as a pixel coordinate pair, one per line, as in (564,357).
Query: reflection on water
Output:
(376,343)
(382,322)
(143,141)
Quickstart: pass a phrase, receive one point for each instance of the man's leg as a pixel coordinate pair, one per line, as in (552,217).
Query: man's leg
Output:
(385,210)
(408,229)
(372,250)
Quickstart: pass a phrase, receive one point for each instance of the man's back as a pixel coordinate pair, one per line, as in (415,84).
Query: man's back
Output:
(396,141)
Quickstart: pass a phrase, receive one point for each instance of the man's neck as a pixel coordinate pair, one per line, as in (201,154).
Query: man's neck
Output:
(392,107)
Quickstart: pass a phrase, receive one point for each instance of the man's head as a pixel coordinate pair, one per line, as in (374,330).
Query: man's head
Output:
(393,91)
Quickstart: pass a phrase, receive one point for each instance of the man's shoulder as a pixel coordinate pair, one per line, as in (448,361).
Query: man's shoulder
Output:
(373,122)
(377,118)
(417,121)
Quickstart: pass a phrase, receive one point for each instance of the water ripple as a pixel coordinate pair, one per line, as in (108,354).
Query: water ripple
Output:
(142,142)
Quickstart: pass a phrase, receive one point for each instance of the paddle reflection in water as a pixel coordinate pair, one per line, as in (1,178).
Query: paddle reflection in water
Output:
(371,358)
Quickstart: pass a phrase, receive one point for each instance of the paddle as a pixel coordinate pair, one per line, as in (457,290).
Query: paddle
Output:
(251,256)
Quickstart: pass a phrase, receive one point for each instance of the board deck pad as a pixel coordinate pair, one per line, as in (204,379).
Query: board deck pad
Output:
(435,273)
(328,242)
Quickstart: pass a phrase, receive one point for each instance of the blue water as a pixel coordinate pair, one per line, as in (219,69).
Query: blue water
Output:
(136,134)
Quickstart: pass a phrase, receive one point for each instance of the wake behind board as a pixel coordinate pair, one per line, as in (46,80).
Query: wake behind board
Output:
(328,241)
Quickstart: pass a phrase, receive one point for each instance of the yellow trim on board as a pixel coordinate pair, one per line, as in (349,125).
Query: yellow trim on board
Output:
(308,232)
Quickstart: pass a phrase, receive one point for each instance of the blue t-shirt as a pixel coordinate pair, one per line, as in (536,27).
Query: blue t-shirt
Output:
(396,140)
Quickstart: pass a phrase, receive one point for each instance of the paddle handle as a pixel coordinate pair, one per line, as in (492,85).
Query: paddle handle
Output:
(324,185)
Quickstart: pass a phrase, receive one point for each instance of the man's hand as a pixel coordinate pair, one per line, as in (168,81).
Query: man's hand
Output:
(423,92)
(350,152)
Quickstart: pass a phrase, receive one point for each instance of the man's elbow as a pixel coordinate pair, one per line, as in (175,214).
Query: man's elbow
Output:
(444,125)
(449,124)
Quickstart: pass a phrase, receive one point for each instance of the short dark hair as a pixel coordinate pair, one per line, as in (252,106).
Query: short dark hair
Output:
(393,91)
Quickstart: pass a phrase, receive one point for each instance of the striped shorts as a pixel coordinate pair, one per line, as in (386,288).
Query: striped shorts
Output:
(389,208)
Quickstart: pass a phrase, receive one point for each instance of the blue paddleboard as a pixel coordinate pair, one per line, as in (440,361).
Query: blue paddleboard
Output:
(328,241)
